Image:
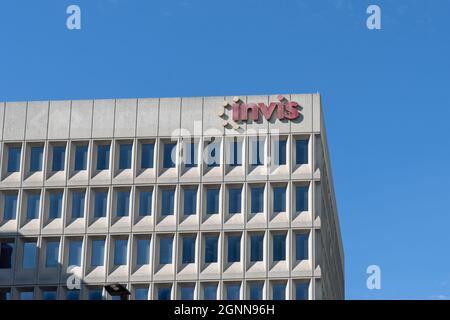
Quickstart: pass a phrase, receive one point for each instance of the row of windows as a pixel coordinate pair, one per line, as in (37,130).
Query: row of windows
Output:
(144,200)
(146,150)
(255,290)
(165,247)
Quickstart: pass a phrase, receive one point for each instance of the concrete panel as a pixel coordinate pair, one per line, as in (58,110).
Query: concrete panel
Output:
(59,120)
(241,126)
(103,122)
(304,123)
(2,113)
(212,122)
(125,123)
(14,124)
(191,116)
(317,111)
(81,119)
(169,116)
(147,117)
(37,120)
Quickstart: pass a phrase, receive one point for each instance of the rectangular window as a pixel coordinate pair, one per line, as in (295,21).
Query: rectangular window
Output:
(213,153)
(257,152)
(188,255)
(145,203)
(211,248)
(167,202)
(6,254)
(190,156)
(14,159)
(29,255)
(81,152)
(75,251)
(234,248)
(78,204)
(52,254)
(10,206)
(169,155)
(33,201)
(123,203)
(256,247)
(59,156)
(125,156)
(210,291)
(147,154)
(120,252)
(164,293)
(212,200)
(282,152)
(279,247)
(141,294)
(235,152)
(36,158)
(100,203)
(55,204)
(301,198)
(234,200)
(73,295)
(95,294)
(143,252)
(26,295)
(98,253)
(5,294)
(233,291)
(49,294)
(301,151)
(190,201)
(301,291)
(279,291)
(256,290)
(257,199)
(187,292)
(165,250)
(301,246)
(279,199)
(103,157)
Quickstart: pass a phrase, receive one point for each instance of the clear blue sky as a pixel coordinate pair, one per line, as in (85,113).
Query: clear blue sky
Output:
(385,93)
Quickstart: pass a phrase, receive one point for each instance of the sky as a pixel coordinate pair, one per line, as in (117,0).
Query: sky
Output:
(386,96)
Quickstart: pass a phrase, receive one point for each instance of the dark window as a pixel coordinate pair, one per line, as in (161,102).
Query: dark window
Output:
(120,252)
(125,152)
(256,291)
(282,152)
(14,159)
(147,154)
(188,255)
(210,292)
(59,156)
(279,199)
(234,248)
(279,247)
(75,250)
(279,291)
(301,246)
(10,206)
(55,204)
(6,255)
(52,254)
(301,151)
(98,253)
(301,198)
(100,203)
(143,252)
(33,201)
(165,250)
(301,291)
(29,255)
(36,158)
(103,157)
(190,201)
(169,155)
(167,202)
(145,203)
(190,157)
(187,292)
(164,293)
(257,199)
(236,153)
(212,200)
(81,157)
(78,204)
(257,152)
(233,291)
(234,200)
(123,203)
(211,248)
(256,247)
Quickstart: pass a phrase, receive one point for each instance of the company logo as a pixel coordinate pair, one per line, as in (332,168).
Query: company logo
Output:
(240,111)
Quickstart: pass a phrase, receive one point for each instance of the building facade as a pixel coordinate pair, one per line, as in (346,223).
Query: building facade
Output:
(175,198)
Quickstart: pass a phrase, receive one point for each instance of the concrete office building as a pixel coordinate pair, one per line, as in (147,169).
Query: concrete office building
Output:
(175,198)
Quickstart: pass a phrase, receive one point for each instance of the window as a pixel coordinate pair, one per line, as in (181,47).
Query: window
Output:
(188,255)
(212,200)
(143,252)
(10,206)
(256,247)
(190,201)
(234,200)
(301,246)
(164,293)
(235,152)
(301,290)
(29,255)
(95,294)
(301,198)
(100,203)
(141,294)
(167,202)
(98,253)
(14,159)
(165,250)
(257,199)
(120,252)
(123,203)
(49,294)
(33,201)
(73,295)
(36,158)
(52,254)
(103,157)
(279,291)
(147,154)
(78,204)
(6,254)
(301,151)
(211,248)
(81,157)
(55,204)
(187,292)
(75,250)
(59,156)
(5,294)
(279,247)
(234,248)
(26,295)
(233,291)
(145,203)
(281,152)
(190,156)
(210,291)
(169,155)
(125,155)
(279,199)
(213,153)
(257,151)
(256,290)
